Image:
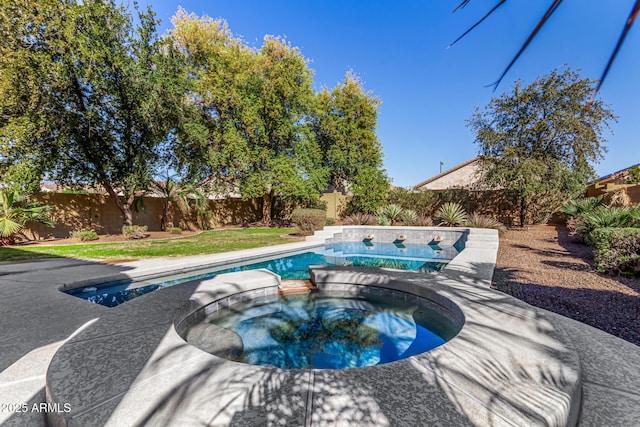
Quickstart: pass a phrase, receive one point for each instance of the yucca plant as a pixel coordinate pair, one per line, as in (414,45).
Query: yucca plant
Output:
(476,220)
(451,214)
(16,211)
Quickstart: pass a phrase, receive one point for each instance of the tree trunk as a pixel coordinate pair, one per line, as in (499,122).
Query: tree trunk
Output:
(126,206)
(523,211)
(167,216)
(266,208)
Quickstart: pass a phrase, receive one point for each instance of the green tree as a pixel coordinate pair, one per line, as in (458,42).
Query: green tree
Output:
(87,97)
(370,190)
(252,130)
(345,127)
(540,140)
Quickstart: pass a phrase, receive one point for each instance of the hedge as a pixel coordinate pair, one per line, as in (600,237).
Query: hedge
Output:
(617,250)
(308,220)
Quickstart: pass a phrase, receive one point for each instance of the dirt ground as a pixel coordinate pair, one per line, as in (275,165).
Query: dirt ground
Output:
(545,267)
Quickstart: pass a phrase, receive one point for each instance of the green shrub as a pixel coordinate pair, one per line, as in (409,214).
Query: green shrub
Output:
(451,214)
(85,235)
(617,250)
(173,230)
(423,202)
(476,220)
(330,221)
(308,220)
(135,231)
(360,219)
(603,217)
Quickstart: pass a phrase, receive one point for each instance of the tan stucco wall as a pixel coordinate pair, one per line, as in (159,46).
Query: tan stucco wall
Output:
(335,203)
(73,212)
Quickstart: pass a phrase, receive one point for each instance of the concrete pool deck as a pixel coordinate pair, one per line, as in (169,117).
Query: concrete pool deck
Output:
(128,366)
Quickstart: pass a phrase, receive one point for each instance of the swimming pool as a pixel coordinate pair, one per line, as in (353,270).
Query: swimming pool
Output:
(413,257)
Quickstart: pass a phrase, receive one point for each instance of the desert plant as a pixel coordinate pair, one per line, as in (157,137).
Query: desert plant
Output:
(617,250)
(173,230)
(618,197)
(389,214)
(308,220)
(424,221)
(476,220)
(409,217)
(603,217)
(85,235)
(184,196)
(135,232)
(16,211)
(360,219)
(451,214)
(577,207)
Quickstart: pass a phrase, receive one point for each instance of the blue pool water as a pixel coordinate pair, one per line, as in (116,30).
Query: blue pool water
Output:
(424,258)
(325,332)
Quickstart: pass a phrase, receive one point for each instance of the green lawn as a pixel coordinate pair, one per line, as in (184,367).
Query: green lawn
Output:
(209,242)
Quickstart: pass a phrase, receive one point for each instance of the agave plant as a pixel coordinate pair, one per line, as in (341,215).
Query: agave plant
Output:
(578,207)
(409,217)
(16,211)
(389,214)
(451,214)
(476,220)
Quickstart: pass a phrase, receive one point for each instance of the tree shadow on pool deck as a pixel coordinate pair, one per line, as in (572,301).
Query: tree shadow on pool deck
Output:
(36,317)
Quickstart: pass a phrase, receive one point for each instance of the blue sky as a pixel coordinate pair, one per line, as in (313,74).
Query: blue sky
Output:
(398,48)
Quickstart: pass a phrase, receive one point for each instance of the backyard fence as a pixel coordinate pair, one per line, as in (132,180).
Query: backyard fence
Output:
(73,212)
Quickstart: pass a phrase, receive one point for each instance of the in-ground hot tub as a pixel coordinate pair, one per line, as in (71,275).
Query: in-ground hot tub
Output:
(355,326)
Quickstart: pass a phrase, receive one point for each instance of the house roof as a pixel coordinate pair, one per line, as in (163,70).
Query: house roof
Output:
(447,172)
(616,174)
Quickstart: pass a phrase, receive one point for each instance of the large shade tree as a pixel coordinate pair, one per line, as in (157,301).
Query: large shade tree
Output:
(87,97)
(539,141)
(251,129)
(345,127)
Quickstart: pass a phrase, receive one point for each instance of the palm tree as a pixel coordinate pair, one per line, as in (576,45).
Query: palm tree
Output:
(185,197)
(16,211)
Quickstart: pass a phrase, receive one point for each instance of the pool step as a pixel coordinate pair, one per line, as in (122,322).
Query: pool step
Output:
(296,287)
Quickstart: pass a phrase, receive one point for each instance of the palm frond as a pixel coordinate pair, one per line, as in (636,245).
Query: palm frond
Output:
(627,26)
(463,4)
(533,34)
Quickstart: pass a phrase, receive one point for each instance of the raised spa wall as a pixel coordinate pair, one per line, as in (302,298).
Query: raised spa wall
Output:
(418,236)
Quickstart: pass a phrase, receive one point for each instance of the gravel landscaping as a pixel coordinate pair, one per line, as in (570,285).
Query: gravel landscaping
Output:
(547,268)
